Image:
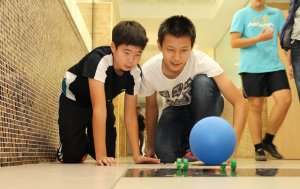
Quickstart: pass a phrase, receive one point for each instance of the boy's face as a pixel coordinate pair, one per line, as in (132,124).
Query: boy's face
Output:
(176,52)
(126,57)
(258,3)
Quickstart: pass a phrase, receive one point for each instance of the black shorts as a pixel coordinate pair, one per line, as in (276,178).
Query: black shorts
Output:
(264,84)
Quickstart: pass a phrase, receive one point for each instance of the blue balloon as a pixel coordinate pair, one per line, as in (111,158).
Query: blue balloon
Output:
(212,140)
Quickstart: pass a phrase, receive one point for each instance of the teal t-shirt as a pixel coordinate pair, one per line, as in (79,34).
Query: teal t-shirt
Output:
(263,56)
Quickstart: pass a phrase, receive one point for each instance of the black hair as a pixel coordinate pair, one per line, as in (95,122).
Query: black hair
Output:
(178,26)
(129,33)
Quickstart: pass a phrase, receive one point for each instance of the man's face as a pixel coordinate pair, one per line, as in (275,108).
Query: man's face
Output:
(176,52)
(126,57)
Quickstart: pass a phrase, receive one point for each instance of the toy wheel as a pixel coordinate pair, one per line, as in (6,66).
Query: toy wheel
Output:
(185,164)
(223,166)
(178,163)
(223,172)
(233,173)
(233,164)
(178,172)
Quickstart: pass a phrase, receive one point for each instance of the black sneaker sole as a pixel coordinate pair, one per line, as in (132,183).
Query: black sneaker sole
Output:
(261,158)
(277,156)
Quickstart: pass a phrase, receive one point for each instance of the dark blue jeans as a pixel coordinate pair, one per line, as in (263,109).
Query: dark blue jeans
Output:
(175,123)
(295,55)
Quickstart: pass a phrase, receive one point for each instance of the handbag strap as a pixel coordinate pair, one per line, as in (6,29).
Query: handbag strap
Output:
(297,5)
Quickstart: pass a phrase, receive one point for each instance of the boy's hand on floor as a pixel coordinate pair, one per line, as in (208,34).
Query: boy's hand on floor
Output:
(150,153)
(146,160)
(106,161)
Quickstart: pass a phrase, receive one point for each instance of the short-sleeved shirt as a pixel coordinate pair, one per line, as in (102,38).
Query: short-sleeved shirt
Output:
(176,92)
(98,65)
(263,56)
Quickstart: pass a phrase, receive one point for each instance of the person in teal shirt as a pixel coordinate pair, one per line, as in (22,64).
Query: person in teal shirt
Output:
(255,30)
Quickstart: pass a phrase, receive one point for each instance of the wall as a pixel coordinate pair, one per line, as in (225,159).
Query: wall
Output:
(38,42)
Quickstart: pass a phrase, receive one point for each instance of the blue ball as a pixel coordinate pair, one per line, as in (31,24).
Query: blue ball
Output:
(212,140)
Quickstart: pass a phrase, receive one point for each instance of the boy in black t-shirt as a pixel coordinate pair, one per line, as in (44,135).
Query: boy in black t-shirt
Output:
(86,118)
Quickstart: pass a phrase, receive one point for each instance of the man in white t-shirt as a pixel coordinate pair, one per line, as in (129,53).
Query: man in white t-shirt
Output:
(190,82)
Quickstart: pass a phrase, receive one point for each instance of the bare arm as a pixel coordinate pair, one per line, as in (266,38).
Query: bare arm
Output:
(240,106)
(289,65)
(99,122)
(151,122)
(236,40)
(132,130)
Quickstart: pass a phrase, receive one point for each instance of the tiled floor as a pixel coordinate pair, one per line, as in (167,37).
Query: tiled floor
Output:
(89,176)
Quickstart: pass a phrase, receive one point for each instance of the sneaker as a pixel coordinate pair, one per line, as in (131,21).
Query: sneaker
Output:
(190,156)
(271,148)
(59,154)
(260,155)
(266,172)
